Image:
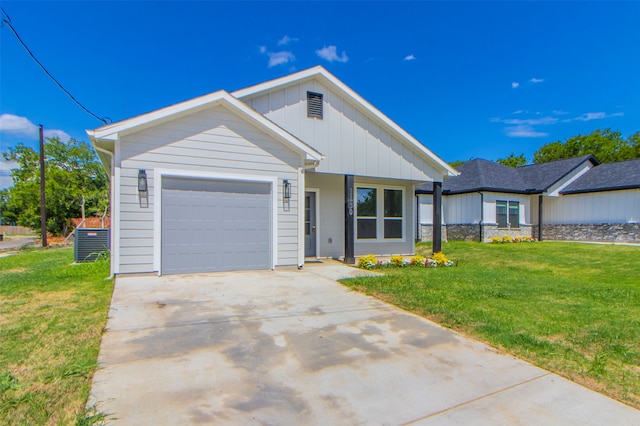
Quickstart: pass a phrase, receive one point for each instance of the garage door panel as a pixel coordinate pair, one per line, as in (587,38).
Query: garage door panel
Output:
(212,225)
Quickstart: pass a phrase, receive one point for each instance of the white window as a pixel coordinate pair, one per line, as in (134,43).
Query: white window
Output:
(508,214)
(379,213)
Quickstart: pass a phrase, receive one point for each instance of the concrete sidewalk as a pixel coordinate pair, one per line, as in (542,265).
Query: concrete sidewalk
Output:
(295,347)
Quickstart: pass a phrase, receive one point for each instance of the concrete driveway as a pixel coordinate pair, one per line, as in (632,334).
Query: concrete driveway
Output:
(294,347)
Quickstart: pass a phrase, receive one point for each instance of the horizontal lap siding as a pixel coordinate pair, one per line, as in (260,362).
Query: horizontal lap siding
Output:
(353,141)
(212,141)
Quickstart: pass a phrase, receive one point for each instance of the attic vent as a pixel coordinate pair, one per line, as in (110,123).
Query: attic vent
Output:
(314,105)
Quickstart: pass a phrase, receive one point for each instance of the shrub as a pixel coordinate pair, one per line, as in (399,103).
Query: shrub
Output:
(397,261)
(418,260)
(367,262)
(506,239)
(439,258)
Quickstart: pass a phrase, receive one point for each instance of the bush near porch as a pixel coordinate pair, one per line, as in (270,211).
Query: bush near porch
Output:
(571,308)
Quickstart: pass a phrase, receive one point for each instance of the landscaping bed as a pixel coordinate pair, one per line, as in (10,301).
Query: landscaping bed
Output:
(571,308)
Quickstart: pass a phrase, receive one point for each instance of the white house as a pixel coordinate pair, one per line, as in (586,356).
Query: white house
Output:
(572,199)
(297,167)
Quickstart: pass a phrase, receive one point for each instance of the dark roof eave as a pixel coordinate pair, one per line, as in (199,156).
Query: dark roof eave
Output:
(606,189)
(483,189)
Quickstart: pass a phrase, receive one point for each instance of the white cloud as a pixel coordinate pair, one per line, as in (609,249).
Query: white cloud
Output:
(524,131)
(597,116)
(22,126)
(515,84)
(559,112)
(330,53)
(518,112)
(530,121)
(279,58)
(286,40)
(591,116)
(536,80)
(409,57)
(263,49)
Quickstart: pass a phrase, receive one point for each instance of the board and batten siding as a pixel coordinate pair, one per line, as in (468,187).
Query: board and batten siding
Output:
(593,208)
(214,141)
(461,209)
(352,139)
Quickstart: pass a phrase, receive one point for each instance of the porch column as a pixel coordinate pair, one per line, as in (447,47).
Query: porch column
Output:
(540,209)
(349,221)
(437,216)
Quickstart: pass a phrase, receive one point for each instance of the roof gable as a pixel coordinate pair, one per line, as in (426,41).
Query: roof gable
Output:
(541,177)
(114,131)
(607,177)
(329,80)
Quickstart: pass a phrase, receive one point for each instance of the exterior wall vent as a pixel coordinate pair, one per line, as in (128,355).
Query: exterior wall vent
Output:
(314,105)
(89,243)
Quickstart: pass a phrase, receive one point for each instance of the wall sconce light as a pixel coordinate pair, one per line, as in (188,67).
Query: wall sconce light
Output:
(142,182)
(286,189)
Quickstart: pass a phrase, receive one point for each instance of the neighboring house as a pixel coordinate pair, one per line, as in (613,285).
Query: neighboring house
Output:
(575,199)
(266,176)
(603,205)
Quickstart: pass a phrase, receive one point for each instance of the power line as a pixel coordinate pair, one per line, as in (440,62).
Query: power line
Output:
(7,20)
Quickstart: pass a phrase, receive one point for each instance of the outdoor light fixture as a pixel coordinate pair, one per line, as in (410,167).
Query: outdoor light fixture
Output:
(142,182)
(286,189)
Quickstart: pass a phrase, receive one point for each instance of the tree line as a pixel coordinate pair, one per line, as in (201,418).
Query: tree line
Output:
(72,171)
(608,146)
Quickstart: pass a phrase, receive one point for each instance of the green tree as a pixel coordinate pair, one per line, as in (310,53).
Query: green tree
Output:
(606,145)
(72,171)
(513,161)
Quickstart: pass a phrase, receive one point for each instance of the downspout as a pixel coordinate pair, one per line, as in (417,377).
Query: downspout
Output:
(481,216)
(301,194)
(540,209)
(111,174)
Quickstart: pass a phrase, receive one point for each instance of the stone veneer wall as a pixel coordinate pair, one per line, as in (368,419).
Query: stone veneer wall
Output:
(464,232)
(471,232)
(612,232)
(491,231)
(426,232)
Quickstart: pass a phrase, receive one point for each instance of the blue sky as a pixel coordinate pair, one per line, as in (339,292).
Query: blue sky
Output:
(468,79)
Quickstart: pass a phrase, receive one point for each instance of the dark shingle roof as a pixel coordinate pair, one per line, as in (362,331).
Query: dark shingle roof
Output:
(540,177)
(483,175)
(607,177)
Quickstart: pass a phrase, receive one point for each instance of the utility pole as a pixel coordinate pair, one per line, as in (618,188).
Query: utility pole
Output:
(43,210)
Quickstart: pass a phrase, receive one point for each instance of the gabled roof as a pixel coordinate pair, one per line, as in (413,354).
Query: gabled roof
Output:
(483,175)
(111,132)
(541,177)
(330,80)
(480,175)
(607,177)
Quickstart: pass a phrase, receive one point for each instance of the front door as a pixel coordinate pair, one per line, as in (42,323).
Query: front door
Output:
(310,224)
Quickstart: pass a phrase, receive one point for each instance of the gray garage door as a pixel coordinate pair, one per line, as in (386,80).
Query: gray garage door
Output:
(215,225)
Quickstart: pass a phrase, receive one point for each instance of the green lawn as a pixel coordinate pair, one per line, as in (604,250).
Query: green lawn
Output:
(570,308)
(52,315)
